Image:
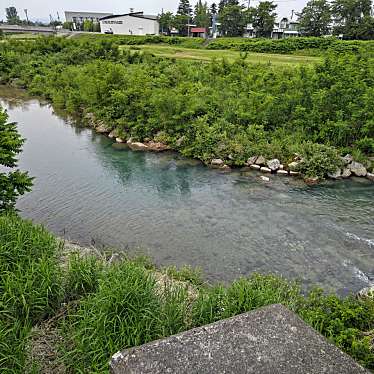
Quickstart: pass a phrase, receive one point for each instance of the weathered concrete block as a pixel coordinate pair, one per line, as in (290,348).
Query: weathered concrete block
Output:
(269,340)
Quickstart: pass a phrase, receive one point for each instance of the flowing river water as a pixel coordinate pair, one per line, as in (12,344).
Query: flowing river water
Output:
(177,211)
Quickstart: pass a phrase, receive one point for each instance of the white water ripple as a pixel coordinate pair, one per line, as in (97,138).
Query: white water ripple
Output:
(369,242)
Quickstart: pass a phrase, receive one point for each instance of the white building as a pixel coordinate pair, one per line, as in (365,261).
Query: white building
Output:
(79,17)
(130,24)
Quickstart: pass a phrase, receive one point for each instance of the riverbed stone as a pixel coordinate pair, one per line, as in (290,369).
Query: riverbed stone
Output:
(260,160)
(120,140)
(282,172)
(370,176)
(265,179)
(273,164)
(365,293)
(293,165)
(357,169)
(138,146)
(265,341)
(264,169)
(311,180)
(255,167)
(347,159)
(217,162)
(346,173)
(336,174)
(294,173)
(251,160)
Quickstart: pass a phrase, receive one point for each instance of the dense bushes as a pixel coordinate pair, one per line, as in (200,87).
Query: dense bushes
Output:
(30,286)
(216,110)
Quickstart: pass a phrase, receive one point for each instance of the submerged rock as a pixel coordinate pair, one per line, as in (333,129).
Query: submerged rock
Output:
(137,146)
(255,167)
(358,169)
(265,179)
(311,180)
(274,164)
(370,176)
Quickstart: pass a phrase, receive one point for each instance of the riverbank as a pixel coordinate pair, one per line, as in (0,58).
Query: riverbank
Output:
(219,111)
(89,306)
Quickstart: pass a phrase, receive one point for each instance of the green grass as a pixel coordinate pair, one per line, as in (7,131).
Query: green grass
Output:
(110,307)
(229,55)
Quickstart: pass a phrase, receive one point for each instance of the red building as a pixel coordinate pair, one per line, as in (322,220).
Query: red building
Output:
(199,32)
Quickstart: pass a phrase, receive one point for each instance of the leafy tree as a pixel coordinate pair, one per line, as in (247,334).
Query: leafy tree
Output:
(315,18)
(201,15)
(87,25)
(183,16)
(166,21)
(353,18)
(232,18)
(264,18)
(213,9)
(12,183)
(12,15)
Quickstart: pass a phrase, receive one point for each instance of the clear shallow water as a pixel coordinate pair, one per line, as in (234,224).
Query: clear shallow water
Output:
(88,189)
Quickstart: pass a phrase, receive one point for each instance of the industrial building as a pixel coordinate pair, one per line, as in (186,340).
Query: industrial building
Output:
(135,23)
(77,18)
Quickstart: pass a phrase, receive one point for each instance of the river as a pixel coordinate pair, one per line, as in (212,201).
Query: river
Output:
(177,211)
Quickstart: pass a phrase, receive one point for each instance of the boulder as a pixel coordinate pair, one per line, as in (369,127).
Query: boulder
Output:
(255,167)
(297,157)
(346,173)
(180,141)
(265,179)
(274,164)
(251,160)
(112,134)
(336,174)
(265,169)
(366,293)
(102,128)
(282,172)
(260,160)
(217,162)
(293,165)
(357,169)
(157,146)
(225,168)
(370,176)
(281,166)
(137,146)
(347,159)
(311,180)
(294,173)
(120,140)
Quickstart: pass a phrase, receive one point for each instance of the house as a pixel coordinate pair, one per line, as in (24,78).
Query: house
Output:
(135,23)
(77,18)
(285,29)
(199,32)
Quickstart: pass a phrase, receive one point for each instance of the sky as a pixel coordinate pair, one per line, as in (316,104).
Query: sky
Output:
(41,9)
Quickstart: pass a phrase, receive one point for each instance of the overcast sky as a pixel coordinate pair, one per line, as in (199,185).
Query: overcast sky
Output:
(40,9)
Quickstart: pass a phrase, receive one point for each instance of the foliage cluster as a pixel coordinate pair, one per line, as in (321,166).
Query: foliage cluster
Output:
(206,111)
(111,307)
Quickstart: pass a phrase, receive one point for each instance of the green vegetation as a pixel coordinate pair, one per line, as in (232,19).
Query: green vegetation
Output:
(224,110)
(13,183)
(102,308)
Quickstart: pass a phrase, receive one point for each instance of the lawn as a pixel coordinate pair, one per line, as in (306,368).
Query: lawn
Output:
(229,55)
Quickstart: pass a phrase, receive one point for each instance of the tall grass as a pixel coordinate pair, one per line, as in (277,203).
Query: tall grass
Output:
(110,307)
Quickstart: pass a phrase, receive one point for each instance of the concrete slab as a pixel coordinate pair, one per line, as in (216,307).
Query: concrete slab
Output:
(268,340)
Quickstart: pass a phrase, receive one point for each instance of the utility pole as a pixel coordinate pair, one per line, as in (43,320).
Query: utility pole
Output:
(27,17)
(249,4)
(58,17)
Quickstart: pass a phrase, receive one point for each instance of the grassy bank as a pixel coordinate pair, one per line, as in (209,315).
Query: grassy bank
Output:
(217,110)
(97,307)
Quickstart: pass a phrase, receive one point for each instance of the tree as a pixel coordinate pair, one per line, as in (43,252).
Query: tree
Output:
(353,18)
(12,183)
(166,21)
(87,25)
(183,17)
(12,15)
(264,18)
(201,15)
(232,18)
(213,9)
(315,18)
